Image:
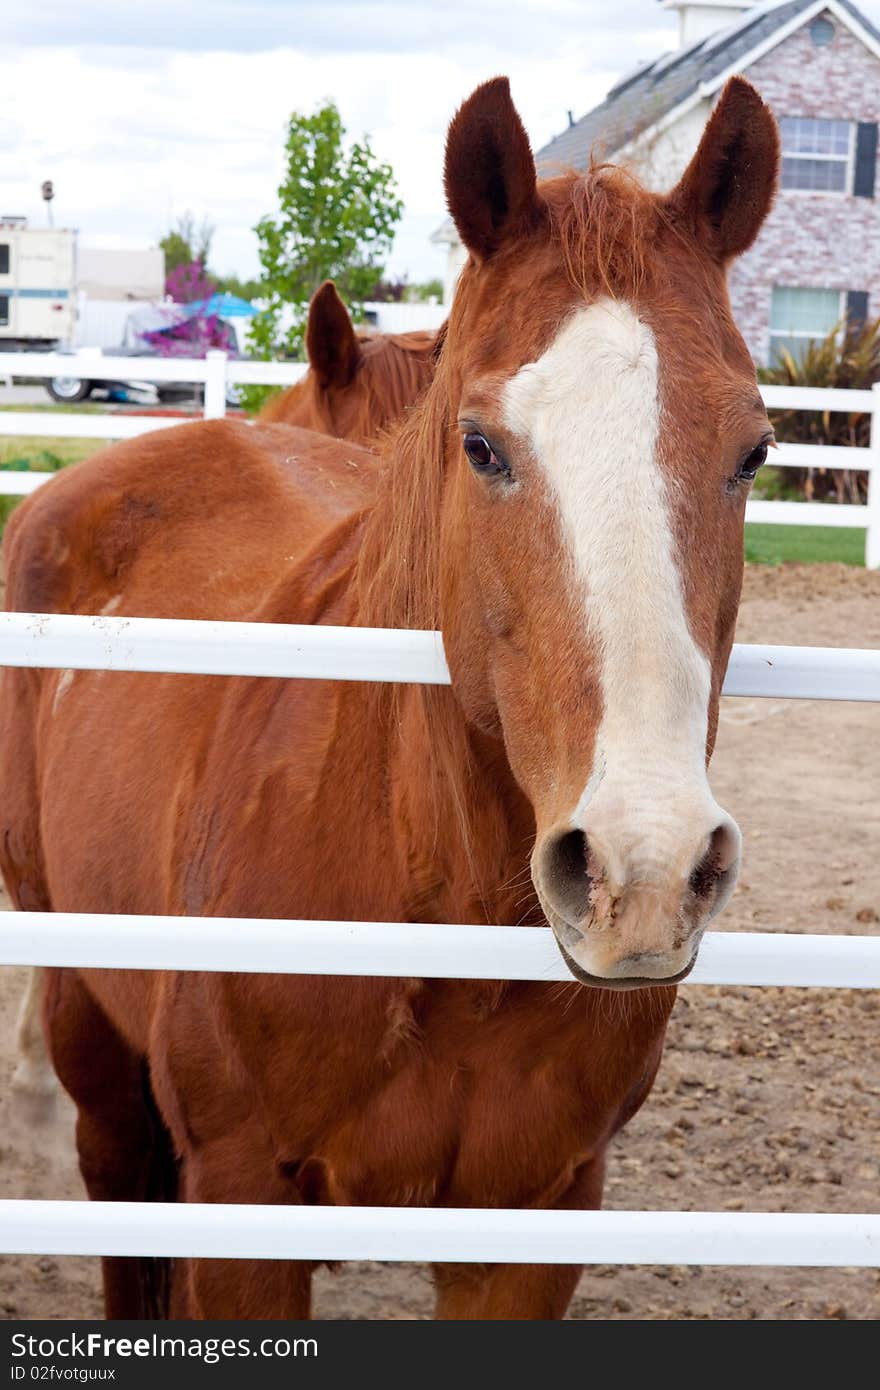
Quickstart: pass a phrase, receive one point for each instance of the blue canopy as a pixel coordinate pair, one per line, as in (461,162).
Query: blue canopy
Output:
(226,306)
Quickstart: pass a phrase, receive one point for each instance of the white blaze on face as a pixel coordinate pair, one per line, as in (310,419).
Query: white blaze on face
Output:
(589,410)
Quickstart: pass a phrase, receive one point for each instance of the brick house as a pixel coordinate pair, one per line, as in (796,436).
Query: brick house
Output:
(817,63)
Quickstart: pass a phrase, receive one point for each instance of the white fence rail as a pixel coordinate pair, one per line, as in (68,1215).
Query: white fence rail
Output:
(188,646)
(262,946)
(199,1230)
(216,371)
(374,948)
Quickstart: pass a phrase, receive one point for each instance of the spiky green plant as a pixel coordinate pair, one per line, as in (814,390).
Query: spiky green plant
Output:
(848,358)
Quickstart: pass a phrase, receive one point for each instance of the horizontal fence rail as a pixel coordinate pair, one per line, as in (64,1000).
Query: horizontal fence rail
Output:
(89,365)
(821,456)
(259,945)
(199,647)
(216,372)
(205,1231)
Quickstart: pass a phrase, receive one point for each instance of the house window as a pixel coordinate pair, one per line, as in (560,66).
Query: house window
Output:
(4,257)
(816,154)
(4,310)
(801,317)
(822,32)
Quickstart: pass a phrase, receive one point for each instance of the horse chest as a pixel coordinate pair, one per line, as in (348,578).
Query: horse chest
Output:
(414,1092)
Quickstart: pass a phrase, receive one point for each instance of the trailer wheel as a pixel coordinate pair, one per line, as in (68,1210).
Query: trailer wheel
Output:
(69,389)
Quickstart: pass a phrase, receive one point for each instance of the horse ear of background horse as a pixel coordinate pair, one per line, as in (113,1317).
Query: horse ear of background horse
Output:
(490,179)
(728,188)
(331,342)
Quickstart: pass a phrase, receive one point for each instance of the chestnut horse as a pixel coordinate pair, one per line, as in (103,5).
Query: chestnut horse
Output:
(566,503)
(357,384)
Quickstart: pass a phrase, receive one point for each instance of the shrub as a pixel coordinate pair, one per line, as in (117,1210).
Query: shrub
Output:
(848,358)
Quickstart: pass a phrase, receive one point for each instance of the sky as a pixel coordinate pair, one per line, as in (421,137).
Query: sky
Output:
(141,112)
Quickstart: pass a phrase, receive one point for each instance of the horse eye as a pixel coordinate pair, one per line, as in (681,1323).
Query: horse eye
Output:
(750,465)
(481,455)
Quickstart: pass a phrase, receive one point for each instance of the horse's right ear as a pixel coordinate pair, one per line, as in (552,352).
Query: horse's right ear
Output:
(490,171)
(331,342)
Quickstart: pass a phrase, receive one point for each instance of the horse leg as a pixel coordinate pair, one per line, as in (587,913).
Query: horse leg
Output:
(239,1169)
(33,1074)
(504,1292)
(511,1292)
(124,1149)
(280,1290)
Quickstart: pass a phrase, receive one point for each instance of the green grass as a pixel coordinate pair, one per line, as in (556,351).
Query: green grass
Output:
(773,545)
(40,454)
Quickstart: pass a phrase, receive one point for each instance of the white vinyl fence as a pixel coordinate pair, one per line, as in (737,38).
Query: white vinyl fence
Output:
(216,370)
(403,949)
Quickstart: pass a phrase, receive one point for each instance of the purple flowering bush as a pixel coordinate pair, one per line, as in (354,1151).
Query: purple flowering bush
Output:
(194,335)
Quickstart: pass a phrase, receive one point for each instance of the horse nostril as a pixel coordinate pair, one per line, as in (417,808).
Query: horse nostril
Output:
(565,875)
(711,875)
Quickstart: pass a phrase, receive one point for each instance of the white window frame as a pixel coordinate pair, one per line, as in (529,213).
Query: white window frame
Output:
(808,335)
(849,159)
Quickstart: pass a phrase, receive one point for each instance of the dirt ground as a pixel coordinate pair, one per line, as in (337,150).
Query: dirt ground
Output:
(767,1099)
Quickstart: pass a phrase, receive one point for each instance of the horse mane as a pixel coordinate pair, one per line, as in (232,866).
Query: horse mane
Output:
(395,368)
(399,562)
(605,224)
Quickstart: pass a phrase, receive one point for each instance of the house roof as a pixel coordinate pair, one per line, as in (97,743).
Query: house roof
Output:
(655,89)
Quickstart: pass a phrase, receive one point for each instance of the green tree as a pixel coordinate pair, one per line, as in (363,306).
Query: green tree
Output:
(186,243)
(338,207)
(420,294)
(233,284)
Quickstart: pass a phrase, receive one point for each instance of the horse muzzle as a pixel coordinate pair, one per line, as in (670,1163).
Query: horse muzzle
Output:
(633,919)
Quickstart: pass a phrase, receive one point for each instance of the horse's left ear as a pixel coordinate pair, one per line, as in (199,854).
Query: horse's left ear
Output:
(331,342)
(727,189)
(490,175)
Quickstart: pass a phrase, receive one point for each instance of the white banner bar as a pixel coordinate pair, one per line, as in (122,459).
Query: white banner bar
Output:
(206,1231)
(77,642)
(256,945)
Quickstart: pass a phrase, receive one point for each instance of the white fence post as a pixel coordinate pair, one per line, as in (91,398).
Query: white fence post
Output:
(872,517)
(215,384)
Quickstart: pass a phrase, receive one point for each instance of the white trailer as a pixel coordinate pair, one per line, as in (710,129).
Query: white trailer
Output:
(37,286)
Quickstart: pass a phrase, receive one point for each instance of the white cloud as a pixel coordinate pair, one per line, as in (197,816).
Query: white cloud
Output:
(139,113)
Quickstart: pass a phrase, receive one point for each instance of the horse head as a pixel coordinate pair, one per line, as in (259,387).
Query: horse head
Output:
(357,384)
(602,425)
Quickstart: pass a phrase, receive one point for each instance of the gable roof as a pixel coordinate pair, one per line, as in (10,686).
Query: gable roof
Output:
(655,90)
